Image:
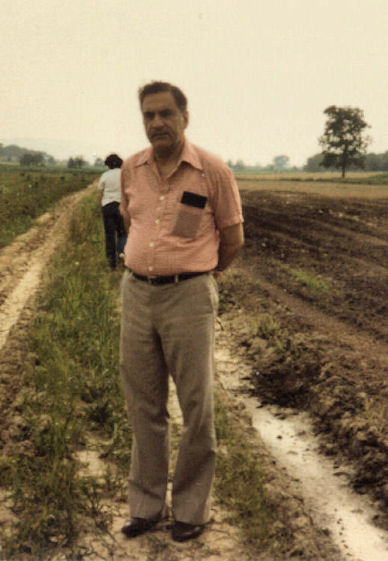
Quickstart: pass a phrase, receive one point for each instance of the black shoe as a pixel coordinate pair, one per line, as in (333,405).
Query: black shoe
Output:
(137,526)
(181,531)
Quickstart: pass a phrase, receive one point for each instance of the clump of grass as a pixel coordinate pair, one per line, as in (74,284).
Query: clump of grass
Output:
(239,481)
(263,325)
(311,282)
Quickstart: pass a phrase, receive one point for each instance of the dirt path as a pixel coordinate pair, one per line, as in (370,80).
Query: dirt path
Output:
(23,264)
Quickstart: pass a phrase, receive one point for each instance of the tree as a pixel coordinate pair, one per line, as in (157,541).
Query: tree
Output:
(342,141)
(31,159)
(377,162)
(314,163)
(281,162)
(98,163)
(239,165)
(77,162)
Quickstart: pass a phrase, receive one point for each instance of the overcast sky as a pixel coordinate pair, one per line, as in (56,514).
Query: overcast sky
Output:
(258,73)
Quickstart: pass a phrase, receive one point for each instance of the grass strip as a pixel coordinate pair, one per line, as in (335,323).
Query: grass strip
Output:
(71,388)
(239,483)
(25,195)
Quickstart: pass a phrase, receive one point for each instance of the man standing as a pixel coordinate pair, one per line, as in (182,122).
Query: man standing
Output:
(109,199)
(182,210)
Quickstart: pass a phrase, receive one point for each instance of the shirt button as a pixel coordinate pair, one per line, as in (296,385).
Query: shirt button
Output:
(152,244)
(150,268)
(157,221)
(161,198)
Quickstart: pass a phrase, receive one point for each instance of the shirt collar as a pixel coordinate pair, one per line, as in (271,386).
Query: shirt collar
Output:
(189,155)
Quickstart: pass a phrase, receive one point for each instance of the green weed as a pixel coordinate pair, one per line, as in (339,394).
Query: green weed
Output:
(311,282)
(239,480)
(263,325)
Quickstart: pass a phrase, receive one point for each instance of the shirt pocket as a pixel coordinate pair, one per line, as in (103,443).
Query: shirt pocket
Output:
(188,221)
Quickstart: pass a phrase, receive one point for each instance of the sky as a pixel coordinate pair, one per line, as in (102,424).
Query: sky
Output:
(258,74)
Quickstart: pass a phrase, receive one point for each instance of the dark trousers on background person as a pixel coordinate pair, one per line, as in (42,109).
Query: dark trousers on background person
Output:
(115,236)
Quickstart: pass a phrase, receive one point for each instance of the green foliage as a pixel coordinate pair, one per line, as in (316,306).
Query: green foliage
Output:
(25,196)
(14,153)
(72,389)
(342,141)
(314,163)
(239,480)
(377,162)
(311,282)
(263,326)
(78,162)
(281,162)
(372,162)
(31,159)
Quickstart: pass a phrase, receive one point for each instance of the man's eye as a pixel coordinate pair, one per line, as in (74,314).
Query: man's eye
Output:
(165,113)
(148,116)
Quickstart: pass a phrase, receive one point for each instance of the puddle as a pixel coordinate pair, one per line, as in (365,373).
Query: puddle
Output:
(325,489)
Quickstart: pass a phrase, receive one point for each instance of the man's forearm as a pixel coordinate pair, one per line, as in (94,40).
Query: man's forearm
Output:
(226,255)
(231,241)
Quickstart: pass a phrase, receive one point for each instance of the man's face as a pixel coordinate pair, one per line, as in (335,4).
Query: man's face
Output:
(164,122)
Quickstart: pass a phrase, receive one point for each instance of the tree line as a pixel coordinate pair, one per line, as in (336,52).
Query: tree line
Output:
(373,162)
(27,157)
(343,143)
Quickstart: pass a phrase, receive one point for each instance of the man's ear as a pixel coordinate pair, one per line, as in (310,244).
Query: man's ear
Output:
(185,116)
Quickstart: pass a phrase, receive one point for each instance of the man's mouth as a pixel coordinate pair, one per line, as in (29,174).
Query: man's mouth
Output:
(159,135)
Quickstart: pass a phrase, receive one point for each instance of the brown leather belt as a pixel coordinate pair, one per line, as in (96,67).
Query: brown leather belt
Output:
(166,279)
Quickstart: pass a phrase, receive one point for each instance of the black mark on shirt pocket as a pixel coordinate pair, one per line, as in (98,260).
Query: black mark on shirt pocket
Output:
(193,199)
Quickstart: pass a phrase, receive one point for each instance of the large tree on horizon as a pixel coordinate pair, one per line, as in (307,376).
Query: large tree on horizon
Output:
(343,143)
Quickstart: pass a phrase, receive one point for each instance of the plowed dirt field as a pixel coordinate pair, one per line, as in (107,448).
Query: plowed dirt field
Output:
(316,260)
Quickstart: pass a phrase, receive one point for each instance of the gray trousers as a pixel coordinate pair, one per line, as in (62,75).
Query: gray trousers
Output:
(169,329)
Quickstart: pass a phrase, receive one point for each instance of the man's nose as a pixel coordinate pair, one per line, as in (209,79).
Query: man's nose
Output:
(157,121)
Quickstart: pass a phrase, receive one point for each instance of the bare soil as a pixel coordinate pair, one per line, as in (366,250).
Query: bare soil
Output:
(342,333)
(341,329)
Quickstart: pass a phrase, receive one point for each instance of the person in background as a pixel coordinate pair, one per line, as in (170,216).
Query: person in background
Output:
(109,199)
(182,209)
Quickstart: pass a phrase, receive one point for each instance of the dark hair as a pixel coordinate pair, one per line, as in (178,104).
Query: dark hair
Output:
(157,87)
(113,161)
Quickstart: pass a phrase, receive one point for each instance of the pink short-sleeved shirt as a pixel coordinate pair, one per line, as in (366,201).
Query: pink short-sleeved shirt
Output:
(175,220)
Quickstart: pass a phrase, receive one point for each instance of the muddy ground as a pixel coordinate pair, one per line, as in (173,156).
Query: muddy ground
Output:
(337,363)
(333,365)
